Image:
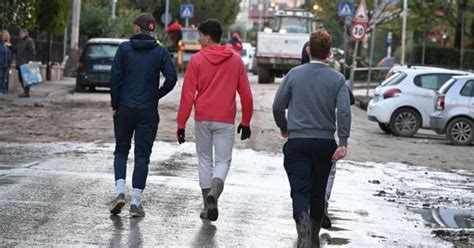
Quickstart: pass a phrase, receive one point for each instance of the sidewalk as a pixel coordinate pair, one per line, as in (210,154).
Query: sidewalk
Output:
(48,89)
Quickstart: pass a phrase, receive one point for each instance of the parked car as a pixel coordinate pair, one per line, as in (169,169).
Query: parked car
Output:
(454,114)
(403,102)
(95,63)
(247,55)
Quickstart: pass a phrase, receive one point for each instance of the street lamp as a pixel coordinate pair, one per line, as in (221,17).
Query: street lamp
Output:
(316,7)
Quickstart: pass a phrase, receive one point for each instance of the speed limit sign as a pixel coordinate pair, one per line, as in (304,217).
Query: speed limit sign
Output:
(358,31)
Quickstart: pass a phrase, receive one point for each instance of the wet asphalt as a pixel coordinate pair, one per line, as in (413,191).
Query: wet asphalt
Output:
(56,195)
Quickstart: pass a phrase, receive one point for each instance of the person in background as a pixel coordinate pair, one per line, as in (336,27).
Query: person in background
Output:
(235,43)
(5,39)
(25,53)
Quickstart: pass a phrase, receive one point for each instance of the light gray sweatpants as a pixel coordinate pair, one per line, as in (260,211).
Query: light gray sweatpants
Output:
(218,138)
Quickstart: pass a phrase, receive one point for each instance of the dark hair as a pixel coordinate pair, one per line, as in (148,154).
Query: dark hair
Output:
(320,44)
(146,22)
(211,27)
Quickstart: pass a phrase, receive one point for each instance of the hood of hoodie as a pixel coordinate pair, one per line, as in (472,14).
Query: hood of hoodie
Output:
(143,42)
(216,54)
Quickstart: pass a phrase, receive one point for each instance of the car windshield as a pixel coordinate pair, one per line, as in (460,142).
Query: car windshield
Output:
(95,51)
(395,79)
(293,24)
(446,86)
(190,36)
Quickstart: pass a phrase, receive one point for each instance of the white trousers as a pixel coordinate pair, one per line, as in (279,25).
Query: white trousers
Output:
(214,144)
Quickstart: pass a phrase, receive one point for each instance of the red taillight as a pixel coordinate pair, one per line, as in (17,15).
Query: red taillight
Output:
(391,93)
(440,103)
(82,66)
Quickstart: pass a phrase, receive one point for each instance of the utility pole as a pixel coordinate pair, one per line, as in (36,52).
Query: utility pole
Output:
(462,36)
(114,3)
(167,13)
(404,30)
(372,44)
(76,15)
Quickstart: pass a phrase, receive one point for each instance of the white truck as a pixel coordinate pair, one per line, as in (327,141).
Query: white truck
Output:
(279,50)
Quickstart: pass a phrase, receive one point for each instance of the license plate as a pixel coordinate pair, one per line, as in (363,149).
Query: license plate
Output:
(102,67)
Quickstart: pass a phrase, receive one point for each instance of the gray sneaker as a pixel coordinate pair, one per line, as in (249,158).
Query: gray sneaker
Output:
(117,204)
(137,211)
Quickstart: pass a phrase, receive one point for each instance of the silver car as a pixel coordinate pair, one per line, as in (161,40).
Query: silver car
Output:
(454,114)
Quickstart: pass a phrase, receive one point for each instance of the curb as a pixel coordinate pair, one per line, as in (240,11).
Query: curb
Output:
(60,93)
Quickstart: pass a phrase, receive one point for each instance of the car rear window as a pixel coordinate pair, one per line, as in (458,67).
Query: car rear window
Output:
(446,86)
(432,81)
(395,79)
(94,51)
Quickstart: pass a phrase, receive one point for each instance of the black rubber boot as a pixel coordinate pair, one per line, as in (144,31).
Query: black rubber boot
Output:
(326,222)
(315,228)
(303,228)
(216,189)
(203,214)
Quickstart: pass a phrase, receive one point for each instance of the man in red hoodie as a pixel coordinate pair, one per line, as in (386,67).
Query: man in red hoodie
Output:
(213,77)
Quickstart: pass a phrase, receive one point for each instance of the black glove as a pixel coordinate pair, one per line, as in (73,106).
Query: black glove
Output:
(246,133)
(180,136)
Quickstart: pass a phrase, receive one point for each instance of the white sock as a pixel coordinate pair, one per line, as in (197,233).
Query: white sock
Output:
(136,197)
(120,186)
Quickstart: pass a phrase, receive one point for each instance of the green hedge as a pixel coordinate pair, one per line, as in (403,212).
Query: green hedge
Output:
(443,57)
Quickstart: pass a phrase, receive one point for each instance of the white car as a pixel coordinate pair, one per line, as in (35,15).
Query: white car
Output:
(403,102)
(247,54)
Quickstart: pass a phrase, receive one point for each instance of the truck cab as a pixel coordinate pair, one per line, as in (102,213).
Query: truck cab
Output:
(279,48)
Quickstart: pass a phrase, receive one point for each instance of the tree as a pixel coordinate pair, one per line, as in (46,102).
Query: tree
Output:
(53,16)
(20,13)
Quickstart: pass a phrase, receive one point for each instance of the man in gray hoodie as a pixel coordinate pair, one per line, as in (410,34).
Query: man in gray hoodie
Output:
(318,103)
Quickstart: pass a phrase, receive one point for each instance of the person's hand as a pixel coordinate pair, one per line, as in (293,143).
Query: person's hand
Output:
(339,153)
(284,135)
(180,137)
(246,133)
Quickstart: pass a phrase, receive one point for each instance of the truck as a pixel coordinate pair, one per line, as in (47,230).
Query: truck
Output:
(279,49)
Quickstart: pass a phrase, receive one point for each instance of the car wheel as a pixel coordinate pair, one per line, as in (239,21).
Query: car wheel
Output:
(460,131)
(405,122)
(79,87)
(385,128)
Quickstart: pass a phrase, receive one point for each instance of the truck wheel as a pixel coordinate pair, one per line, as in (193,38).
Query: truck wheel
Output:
(460,131)
(265,76)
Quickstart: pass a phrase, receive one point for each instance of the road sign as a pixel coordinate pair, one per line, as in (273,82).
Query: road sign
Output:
(187,11)
(361,13)
(358,31)
(345,9)
(163,18)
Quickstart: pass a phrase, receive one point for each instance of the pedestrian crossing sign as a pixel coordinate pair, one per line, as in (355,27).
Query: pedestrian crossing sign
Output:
(187,11)
(345,9)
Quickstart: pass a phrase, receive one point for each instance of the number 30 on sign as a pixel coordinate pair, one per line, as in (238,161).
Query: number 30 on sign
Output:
(358,31)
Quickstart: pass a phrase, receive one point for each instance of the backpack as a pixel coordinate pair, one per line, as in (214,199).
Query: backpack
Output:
(4,56)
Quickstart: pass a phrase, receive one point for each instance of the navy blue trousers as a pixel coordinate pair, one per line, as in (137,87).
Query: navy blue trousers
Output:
(308,163)
(143,125)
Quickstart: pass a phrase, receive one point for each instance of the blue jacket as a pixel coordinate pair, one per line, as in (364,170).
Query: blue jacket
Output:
(135,75)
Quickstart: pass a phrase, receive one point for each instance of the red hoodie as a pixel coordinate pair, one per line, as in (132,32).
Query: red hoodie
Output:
(212,78)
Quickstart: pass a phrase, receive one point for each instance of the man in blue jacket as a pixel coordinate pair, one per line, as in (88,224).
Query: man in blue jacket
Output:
(135,91)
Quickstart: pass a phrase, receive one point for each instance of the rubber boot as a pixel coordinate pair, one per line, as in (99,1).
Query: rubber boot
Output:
(303,228)
(326,222)
(315,228)
(217,186)
(203,214)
